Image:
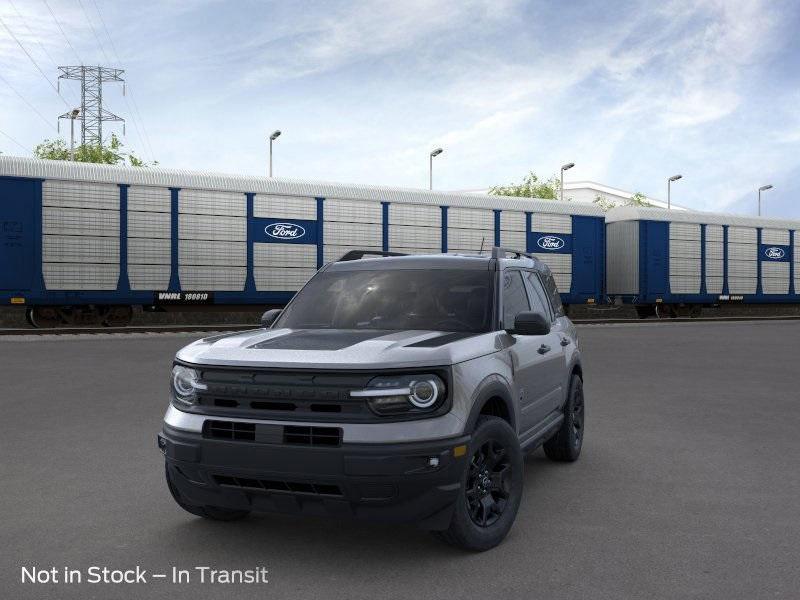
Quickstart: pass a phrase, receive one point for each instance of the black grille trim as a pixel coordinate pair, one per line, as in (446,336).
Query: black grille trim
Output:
(230,430)
(287,487)
(312,436)
(297,435)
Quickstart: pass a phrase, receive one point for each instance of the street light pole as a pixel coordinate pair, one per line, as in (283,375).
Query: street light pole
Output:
(272,138)
(72,115)
(669,182)
(763,188)
(435,152)
(565,167)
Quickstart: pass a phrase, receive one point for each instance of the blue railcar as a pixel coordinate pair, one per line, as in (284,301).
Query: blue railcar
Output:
(86,243)
(672,263)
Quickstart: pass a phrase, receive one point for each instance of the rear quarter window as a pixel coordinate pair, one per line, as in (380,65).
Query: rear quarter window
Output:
(552,292)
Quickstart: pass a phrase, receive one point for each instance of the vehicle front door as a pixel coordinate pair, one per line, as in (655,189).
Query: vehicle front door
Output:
(555,375)
(530,356)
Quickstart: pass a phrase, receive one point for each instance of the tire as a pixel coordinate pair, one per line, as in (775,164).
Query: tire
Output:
(215,513)
(491,488)
(566,444)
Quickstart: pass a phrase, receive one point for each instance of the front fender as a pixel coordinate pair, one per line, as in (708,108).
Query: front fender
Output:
(493,386)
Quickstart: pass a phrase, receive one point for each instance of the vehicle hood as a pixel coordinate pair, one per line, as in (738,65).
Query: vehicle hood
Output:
(339,348)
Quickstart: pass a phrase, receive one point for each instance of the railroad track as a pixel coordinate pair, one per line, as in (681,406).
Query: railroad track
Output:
(243,326)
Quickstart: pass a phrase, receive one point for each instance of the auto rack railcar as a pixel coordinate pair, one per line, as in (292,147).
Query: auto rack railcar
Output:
(85,243)
(671,263)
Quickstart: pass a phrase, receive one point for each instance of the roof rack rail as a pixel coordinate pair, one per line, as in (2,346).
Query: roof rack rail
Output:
(359,254)
(500,252)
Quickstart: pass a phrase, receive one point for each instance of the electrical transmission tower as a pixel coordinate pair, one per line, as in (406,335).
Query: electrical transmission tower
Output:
(92,114)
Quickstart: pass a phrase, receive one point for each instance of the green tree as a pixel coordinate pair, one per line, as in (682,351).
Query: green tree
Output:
(530,187)
(638,199)
(110,154)
(606,203)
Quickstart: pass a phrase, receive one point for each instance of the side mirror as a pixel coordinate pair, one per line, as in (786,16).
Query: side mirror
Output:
(531,323)
(269,317)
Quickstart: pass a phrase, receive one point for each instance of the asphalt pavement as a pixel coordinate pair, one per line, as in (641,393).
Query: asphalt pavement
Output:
(688,486)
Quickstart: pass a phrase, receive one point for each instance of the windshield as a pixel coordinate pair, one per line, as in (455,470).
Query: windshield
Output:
(440,300)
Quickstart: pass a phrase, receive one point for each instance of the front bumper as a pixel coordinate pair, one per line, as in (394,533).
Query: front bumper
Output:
(399,482)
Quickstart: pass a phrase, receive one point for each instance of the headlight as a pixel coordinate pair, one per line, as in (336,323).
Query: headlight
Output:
(403,394)
(185,383)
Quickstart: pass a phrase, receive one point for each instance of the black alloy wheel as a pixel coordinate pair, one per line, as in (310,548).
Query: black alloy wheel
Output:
(577,418)
(488,483)
(567,442)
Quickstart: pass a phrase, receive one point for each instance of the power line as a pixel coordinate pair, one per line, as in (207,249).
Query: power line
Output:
(146,135)
(33,36)
(32,107)
(134,113)
(15,141)
(35,64)
(103,23)
(66,39)
(94,33)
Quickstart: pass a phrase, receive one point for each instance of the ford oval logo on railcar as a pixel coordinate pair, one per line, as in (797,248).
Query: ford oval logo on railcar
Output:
(774,253)
(550,242)
(285,231)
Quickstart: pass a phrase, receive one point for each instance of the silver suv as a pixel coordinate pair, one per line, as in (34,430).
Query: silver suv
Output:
(394,388)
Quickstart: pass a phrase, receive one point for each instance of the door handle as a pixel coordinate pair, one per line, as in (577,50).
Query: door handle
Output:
(543,349)
(565,341)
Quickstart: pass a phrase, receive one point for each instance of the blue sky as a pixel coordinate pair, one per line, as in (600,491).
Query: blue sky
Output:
(632,92)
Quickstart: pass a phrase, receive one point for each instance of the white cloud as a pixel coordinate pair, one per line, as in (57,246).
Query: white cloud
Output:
(364,90)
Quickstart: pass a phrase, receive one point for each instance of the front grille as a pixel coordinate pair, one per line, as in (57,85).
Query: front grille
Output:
(312,436)
(293,395)
(268,485)
(267,433)
(288,395)
(230,430)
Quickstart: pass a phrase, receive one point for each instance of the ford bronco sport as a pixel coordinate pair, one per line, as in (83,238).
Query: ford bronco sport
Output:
(397,388)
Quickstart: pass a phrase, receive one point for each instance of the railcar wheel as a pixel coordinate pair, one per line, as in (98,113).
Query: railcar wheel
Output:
(645,310)
(665,311)
(44,316)
(695,311)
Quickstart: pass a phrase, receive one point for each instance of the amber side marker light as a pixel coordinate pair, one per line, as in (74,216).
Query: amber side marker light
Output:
(459,451)
(590,301)
(17,300)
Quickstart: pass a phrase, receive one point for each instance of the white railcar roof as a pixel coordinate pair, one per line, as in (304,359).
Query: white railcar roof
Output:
(636,213)
(13,166)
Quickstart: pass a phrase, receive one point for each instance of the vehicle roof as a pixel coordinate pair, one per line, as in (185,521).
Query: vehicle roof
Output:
(434,261)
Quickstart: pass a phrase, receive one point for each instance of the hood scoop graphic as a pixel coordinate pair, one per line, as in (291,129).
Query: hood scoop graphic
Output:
(319,339)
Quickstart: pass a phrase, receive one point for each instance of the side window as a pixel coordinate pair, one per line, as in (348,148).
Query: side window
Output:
(552,292)
(515,298)
(539,301)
